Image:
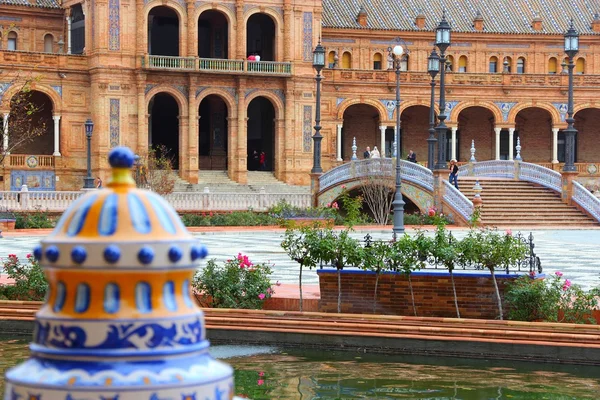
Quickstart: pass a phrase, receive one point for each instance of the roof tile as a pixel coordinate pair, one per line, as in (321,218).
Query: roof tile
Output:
(33,3)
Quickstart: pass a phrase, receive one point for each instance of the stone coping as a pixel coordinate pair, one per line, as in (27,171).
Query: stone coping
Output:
(539,341)
(458,273)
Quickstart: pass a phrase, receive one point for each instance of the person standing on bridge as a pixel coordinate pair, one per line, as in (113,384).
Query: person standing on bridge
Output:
(453,173)
(367,153)
(375,153)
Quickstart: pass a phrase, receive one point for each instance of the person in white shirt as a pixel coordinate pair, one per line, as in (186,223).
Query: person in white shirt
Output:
(375,153)
(257,57)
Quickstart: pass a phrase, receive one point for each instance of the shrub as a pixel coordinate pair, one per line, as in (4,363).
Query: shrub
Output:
(236,284)
(30,282)
(34,220)
(233,218)
(283,212)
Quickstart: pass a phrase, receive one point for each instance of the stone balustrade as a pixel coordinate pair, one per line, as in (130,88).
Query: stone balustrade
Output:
(42,61)
(217,65)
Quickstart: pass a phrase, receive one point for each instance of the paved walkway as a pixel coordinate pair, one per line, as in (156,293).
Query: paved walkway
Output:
(574,252)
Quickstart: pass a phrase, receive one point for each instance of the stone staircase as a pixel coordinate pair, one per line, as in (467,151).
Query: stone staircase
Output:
(514,203)
(219,182)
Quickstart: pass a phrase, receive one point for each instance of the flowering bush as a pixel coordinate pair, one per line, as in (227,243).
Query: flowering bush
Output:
(29,280)
(553,299)
(237,284)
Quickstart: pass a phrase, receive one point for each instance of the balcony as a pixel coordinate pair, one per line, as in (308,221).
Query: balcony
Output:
(51,61)
(388,77)
(217,65)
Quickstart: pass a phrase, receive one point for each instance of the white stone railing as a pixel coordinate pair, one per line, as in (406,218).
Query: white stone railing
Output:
(169,62)
(25,200)
(269,67)
(458,201)
(219,64)
(495,169)
(540,175)
(377,167)
(586,200)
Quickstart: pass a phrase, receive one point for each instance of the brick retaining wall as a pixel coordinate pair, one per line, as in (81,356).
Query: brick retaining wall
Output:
(432,291)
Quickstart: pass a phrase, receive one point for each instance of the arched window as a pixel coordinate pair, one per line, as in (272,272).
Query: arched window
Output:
(449,63)
(564,66)
(462,64)
(580,66)
(404,63)
(346,60)
(493,65)
(331,59)
(507,67)
(521,65)
(377,61)
(552,65)
(12,41)
(48,43)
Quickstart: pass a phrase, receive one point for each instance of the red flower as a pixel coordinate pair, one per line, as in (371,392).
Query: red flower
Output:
(431,212)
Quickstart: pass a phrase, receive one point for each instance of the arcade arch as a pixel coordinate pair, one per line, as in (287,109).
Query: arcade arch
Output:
(163,31)
(361,121)
(587,142)
(261,134)
(163,127)
(260,36)
(476,123)
(41,107)
(213,35)
(213,131)
(533,125)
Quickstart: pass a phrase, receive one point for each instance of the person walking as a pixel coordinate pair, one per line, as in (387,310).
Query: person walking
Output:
(367,153)
(98,183)
(263,161)
(255,161)
(412,156)
(453,173)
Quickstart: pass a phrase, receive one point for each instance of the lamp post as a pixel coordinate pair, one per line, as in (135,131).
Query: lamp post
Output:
(571,49)
(398,204)
(433,67)
(442,41)
(88,181)
(318,64)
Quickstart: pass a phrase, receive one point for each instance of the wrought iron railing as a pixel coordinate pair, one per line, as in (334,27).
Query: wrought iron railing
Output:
(458,201)
(586,200)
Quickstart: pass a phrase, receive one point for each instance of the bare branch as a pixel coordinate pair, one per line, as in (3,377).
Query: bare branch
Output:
(155,172)
(378,195)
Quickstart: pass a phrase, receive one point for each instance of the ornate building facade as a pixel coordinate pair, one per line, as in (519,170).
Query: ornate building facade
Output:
(213,82)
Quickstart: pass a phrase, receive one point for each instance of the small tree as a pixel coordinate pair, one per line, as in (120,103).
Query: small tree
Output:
(376,256)
(155,171)
(378,194)
(24,123)
(445,250)
(300,245)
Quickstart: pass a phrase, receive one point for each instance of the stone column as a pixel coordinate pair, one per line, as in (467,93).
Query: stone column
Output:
(453,143)
(68,18)
(5,138)
(192,44)
(288,46)
(142,120)
(240,32)
(382,141)
(56,119)
(497,130)
(555,145)
(192,152)
(241,167)
(339,142)
(511,143)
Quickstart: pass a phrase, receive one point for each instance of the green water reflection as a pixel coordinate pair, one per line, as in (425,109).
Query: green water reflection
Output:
(301,374)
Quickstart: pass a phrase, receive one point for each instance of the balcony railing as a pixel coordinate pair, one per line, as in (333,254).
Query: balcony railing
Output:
(43,60)
(217,65)
(30,161)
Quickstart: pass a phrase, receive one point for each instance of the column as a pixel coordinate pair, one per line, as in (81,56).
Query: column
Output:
(511,144)
(339,142)
(68,17)
(287,31)
(143,125)
(555,145)
(453,143)
(497,130)
(192,150)
(241,173)
(240,27)
(5,138)
(382,146)
(192,44)
(56,119)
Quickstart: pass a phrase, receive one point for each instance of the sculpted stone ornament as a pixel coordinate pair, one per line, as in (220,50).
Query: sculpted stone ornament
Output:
(120,322)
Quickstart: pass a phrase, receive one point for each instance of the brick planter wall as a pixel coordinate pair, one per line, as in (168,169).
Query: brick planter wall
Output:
(432,291)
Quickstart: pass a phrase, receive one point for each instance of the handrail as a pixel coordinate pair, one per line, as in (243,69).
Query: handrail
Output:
(492,168)
(586,200)
(217,65)
(540,175)
(458,201)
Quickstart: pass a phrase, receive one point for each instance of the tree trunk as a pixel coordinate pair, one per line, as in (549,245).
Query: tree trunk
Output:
(300,286)
(412,295)
(497,293)
(339,292)
(375,294)
(454,291)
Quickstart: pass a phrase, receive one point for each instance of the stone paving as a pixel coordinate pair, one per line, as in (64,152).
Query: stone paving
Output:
(574,252)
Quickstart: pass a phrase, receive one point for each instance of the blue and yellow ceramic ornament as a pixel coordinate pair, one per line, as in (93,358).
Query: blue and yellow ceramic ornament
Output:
(120,322)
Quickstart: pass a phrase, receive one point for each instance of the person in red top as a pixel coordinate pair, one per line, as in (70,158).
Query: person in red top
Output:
(263,161)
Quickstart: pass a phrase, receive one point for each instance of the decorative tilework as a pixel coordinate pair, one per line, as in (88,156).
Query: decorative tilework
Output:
(279,93)
(114,123)
(306,128)
(562,110)
(307,29)
(505,109)
(57,89)
(450,106)
(114,25)
(229,90)
(390,106)
(182,89)
(149,87)
(35,180)
(337,40)
(339,101)
(249,92)
(389,42)
(3,88)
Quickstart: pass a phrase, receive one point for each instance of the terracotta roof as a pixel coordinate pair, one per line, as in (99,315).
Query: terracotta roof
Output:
(500,16)
(33,3)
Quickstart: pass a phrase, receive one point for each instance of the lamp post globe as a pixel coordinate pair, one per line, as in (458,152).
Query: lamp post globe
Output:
(398,50)
(433,67)
(571,50)
(318,65)
(88,181)
(442,41)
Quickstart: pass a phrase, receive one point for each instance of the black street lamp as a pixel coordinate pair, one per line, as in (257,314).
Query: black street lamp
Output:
(571,49)
(442,41)
(318,64)
(396,53)
(433,67)
(88,180)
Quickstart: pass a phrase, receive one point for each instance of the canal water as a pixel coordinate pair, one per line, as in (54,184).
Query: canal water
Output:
(278,373)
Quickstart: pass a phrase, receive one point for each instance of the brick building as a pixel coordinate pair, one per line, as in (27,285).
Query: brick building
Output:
(176,73)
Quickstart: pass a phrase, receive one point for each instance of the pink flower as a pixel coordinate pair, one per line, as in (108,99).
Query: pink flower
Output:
(558,273)
(532,274)
(28,255)
(277,283)
(261,296)
(328,205)
(344,187)
(335,205)
(431,212)
(260,382)
(508,232)
(261,374)
(269,290)
(566,285)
